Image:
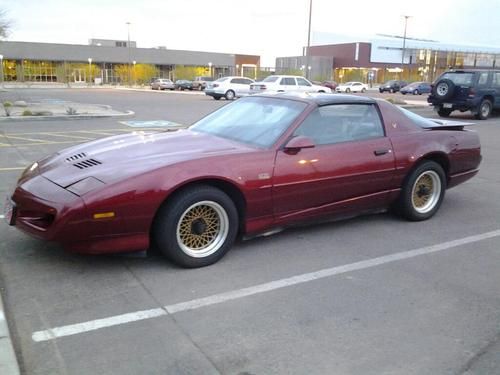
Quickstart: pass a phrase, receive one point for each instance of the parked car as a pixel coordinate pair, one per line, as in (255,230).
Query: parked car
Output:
(351,87)
(200,83)
(283,83)
(183,84)
(416,88)
(162,84)
(472,90)
(229,87)
(262,162)
(330,84)
(392,86)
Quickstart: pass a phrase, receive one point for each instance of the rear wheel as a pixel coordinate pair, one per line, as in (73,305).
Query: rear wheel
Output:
(415,92)
(363,90)
(347,90)
(444,112)
(217,97)
(423,192)
(197,227)
(230,95)
(484,110)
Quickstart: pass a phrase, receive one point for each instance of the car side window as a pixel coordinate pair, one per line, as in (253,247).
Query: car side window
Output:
(288,81)
(342,123)
(302,82)
(483,79)
(496,79)
(236,80)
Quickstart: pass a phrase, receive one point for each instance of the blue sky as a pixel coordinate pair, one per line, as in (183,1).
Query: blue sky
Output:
(268,28)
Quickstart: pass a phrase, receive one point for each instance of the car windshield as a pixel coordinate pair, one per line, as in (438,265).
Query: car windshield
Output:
(348,83)
(254,121)
(390,82)
(270,79)
(418,120)
(459,78)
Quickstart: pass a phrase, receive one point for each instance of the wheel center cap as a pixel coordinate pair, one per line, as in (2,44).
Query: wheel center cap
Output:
(423,191)
(198,226)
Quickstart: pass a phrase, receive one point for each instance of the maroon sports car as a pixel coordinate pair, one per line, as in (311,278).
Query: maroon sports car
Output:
(261,163)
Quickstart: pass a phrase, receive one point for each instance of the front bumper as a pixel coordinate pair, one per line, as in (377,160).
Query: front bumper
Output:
(47,211)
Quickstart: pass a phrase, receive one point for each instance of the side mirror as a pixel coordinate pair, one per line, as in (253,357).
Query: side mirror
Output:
(297,143)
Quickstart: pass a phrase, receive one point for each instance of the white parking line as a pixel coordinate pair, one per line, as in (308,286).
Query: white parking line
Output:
(92,325)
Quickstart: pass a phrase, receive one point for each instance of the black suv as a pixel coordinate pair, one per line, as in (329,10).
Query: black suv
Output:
(392,86)
(477,91)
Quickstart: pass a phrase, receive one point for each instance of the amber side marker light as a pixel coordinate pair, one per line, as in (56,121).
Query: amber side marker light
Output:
(104,215)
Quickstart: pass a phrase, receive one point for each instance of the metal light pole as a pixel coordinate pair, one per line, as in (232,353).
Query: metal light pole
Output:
(1,68)
(128,47)
(404,42)
(90,70)
(308,63)
(135,77)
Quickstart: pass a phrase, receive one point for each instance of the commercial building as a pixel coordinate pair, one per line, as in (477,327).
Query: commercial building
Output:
(383,58)
(114,61)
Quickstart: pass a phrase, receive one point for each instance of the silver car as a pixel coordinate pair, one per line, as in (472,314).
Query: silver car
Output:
(162,84)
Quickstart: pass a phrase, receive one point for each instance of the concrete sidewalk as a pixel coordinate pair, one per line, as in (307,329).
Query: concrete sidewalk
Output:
(8,360)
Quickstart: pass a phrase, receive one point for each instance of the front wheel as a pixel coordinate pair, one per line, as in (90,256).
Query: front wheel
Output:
(416,92)
(197,227)
(423,192)
(347,90)
(484,110)
(230,95)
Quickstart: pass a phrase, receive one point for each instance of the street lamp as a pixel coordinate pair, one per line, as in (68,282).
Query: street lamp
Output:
(1,68)
(210,68)
(135,78)
(128,47)
(90,70)
(404,41)
(309,38)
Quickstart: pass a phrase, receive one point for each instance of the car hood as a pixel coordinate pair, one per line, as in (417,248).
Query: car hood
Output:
(114,158)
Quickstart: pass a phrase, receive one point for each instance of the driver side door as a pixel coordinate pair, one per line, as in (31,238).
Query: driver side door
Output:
(350,168)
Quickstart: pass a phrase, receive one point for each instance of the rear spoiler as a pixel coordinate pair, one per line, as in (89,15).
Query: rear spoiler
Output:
(448,124)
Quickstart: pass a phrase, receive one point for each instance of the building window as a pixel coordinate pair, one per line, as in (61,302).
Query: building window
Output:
(121,44)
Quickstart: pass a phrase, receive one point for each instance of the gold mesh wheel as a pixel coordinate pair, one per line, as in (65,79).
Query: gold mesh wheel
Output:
(426,191)
(202,229)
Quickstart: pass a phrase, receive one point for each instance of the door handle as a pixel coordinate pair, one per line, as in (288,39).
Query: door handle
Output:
(381,152)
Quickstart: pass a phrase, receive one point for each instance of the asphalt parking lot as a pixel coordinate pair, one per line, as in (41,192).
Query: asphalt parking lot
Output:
(370,295)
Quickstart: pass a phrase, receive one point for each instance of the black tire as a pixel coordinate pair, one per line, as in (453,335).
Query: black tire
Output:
(444,112)
(321,91)
(391,91)
(217,97)
(403,93)
(363,90)
(415,92)
(414,203)
(380,91)
(167,230)
(347,90)
(484,110)
(230,95)
(443,89)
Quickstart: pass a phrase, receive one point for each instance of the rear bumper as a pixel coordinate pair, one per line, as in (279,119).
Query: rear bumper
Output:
(465,104)
(458,178)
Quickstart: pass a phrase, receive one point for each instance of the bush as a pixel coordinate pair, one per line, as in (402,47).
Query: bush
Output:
(7,108)
(71,111)
(27,112)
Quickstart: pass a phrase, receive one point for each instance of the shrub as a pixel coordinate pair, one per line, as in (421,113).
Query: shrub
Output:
(27,112)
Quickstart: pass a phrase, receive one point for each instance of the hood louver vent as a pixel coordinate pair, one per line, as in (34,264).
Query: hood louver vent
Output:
(87,163)
(76,157)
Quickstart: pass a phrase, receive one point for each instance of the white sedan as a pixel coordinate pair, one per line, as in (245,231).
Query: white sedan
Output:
(351,87)
(279,83)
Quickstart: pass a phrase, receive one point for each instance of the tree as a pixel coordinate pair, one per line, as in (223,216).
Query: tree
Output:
(4,25)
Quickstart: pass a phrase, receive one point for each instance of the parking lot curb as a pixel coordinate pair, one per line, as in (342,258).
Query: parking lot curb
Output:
(65,117)
(8,360)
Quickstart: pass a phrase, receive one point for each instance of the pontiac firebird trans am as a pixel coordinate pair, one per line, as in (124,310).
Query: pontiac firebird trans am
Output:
(261,163)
